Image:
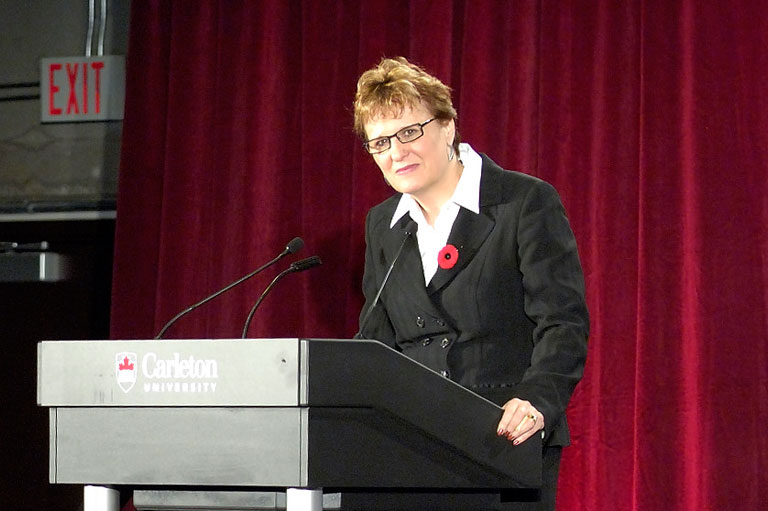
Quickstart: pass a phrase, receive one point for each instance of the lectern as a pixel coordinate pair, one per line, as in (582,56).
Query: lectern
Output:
(232,424)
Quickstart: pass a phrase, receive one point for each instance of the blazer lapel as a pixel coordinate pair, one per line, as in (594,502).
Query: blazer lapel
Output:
(468,233)
(408,266)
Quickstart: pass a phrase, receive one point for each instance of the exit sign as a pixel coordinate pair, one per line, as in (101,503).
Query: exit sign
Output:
(82,88)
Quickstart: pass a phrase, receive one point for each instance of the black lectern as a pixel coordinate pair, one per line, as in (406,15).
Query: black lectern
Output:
(230,424)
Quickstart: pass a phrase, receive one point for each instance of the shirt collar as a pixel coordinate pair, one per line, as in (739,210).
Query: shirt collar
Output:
(466,194)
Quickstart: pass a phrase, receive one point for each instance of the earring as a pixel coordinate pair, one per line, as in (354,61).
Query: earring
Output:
(450,153)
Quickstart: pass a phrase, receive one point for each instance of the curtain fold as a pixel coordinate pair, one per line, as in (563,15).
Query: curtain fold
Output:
(650,118)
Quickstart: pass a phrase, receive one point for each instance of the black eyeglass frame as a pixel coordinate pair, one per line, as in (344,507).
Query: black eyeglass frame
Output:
(388,138)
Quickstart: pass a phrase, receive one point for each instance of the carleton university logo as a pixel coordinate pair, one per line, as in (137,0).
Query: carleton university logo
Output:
(125,370)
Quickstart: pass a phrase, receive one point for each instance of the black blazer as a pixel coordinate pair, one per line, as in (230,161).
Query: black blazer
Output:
(510,318)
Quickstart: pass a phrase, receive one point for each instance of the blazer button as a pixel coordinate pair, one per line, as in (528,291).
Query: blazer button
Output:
(426,342)
(440,322)
(420,322)
(445,343)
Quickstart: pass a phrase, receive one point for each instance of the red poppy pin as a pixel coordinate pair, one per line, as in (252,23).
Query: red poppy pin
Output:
(448,257)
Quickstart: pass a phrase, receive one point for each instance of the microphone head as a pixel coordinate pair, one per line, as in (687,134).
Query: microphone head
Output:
(411,228)
(305,264)
(294,245)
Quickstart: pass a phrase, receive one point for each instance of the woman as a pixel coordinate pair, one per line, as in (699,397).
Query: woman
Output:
(490,291)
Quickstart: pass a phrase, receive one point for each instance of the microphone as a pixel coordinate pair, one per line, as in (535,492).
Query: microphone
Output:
(292,247)
(304,264)
(410,229)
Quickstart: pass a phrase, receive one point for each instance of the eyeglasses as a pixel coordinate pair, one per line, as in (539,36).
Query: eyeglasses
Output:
(404,135)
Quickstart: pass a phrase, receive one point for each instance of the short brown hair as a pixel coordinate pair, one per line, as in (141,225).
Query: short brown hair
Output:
(396,84)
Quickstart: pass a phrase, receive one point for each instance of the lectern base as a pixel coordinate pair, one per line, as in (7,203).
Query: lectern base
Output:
(165,500)
(171,500)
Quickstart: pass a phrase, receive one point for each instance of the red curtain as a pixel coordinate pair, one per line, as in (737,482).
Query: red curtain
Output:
(650,118)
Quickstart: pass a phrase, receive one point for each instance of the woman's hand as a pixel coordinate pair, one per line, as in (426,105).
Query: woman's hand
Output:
(520,421)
